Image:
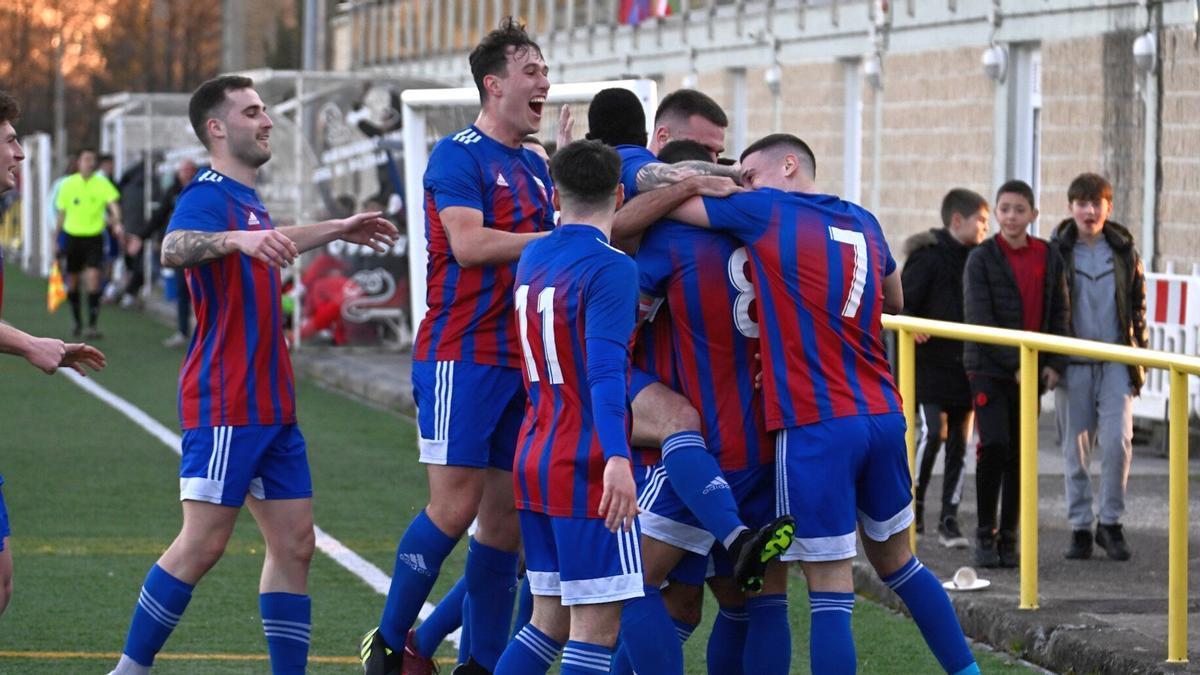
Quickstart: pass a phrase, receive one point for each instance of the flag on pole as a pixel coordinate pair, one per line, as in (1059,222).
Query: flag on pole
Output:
(55,293)
(633,12)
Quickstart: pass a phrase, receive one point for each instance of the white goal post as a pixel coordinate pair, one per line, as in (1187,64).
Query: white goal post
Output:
(417,103)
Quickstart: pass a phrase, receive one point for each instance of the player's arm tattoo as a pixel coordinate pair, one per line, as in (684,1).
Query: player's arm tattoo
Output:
(657,174)
(188,248)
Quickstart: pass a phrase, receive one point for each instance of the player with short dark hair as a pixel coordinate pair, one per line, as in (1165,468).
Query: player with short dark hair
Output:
(576,305)
(237,407)
(45,354)
(486,197)
(823,275)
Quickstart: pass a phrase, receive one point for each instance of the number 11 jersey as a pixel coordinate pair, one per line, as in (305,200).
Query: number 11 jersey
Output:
(818,264)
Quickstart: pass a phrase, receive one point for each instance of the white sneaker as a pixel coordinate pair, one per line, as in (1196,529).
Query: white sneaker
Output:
(176,340)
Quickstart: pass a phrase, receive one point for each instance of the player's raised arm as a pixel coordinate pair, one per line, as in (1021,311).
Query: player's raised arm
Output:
(189,248)
(473,244)
(368,228)
(650,207)
(657,175)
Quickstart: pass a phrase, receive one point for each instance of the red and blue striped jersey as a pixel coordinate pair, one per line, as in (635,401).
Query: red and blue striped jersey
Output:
(817,264)
(653,353)
(570,287)
(704,276)
(237,370)
(470,315)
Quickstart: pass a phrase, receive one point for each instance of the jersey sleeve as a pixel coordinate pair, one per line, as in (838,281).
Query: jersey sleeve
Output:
(65,190)
(452,176)
(744,215)
(610,301)
(632,162)
(654,263)
(202,209)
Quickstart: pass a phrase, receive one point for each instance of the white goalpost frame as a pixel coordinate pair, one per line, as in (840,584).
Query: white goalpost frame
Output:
(416,104)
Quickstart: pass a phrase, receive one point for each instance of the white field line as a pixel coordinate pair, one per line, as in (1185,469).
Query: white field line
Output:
(371,575)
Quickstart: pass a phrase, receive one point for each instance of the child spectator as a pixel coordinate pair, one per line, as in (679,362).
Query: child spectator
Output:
(1094,402)
(933,289)
(1017,281)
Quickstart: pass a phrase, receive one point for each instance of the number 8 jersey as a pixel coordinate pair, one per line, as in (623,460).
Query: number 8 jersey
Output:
(571,287)
(818,264)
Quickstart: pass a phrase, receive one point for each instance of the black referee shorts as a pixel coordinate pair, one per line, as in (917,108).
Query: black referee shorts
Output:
(84,252)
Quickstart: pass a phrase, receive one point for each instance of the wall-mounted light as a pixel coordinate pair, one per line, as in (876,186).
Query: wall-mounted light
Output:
(872,69)
(1145,51)
(995,62)
(772,78)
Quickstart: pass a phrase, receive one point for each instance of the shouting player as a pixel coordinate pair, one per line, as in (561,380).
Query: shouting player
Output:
(486,197)
(823,274)
(236,393)
(576,304)
(45,354)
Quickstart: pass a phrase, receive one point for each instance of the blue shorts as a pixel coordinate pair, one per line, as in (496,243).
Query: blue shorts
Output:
(4,531)
(835,474)
(468,414)
(639,380)
(579,560)
(221,464)
(666,518)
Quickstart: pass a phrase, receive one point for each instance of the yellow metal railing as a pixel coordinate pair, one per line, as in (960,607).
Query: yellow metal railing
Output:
(1030,344)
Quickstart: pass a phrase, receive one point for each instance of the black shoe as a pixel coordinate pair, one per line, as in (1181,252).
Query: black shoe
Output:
(950,535)
(377,657)
(1111,538)
(1006,548)
(751,551)
(1081,545)
(919,517)
(76,331)
(985,548)
(471,667)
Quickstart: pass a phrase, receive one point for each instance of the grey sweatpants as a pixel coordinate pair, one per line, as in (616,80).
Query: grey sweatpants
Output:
(1094,407)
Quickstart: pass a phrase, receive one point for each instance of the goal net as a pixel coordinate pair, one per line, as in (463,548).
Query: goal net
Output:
(432,114)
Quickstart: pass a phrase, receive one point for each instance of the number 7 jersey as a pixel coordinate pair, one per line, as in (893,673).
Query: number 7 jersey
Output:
(818,264)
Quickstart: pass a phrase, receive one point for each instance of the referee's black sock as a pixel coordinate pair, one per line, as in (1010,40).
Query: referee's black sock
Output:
(73,298)
(93,302)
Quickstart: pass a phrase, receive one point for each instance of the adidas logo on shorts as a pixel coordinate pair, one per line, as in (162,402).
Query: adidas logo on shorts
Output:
(416,561)
(717,483)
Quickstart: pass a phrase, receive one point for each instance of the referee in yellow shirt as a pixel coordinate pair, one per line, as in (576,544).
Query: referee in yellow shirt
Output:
(84,199)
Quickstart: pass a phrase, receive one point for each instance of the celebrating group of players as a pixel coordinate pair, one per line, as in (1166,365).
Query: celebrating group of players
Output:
(626,489)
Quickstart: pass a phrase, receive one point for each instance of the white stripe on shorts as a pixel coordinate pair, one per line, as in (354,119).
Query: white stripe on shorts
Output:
(782,506)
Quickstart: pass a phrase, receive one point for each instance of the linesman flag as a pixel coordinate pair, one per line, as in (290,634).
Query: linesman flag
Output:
(55,293)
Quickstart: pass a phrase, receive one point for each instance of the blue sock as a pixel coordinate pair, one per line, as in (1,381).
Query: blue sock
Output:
(287,623)
(584,658)
(683,629)
(524,606)
(530,652)
(931,610)
(768,649)
(621,665)
(491,584)
(727,641)
(830,642)
(646,632)
(698,481)
(447,616)
(418,560)
(464,636)
(158,611)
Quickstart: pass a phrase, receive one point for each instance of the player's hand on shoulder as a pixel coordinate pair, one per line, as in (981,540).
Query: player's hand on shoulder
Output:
(618,504)
(371,229)
(45,354)
(713,186)
(270,246)
(78,356)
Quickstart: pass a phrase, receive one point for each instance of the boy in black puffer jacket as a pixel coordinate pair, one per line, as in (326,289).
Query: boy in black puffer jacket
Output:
(1014,281)
(933,289)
